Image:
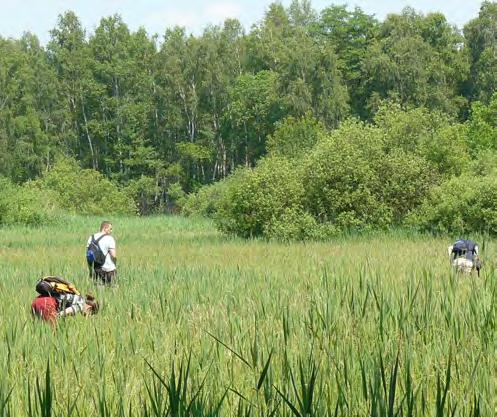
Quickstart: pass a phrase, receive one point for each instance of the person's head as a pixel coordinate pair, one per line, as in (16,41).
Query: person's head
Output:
(106,227)
(91,305)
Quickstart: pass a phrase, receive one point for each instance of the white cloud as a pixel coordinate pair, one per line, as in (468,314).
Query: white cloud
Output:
(39,16)
(218,12)
(194,19)
(159,22)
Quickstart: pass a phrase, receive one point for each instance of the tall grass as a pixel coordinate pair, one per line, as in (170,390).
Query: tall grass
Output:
(202,325)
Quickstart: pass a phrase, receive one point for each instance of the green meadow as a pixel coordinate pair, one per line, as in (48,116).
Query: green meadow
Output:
(200,324)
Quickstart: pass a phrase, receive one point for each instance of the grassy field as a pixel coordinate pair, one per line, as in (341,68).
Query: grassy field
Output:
(203,325)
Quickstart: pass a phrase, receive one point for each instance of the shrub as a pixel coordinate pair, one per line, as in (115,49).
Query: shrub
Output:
(358,177)
(175,197)
(205,202)
(343,186)
(294,224)
(406,179)
(254,197)
(294,137)
(460,205)
(85,191)
(145,193)
(482,126)
(26,204)
(428,134)
(371,176)
(484,164)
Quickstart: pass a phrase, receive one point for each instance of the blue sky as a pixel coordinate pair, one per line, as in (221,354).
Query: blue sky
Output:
(39,16)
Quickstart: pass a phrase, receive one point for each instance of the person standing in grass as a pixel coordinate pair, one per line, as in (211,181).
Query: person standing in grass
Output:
(101,254)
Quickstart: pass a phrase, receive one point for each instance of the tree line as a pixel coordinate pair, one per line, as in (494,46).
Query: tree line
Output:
(160,116)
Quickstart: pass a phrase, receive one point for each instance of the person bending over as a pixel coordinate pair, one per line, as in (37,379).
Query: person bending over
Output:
(50,308)
(464,257)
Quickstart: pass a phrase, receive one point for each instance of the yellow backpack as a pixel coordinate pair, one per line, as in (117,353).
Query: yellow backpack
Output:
(54,286)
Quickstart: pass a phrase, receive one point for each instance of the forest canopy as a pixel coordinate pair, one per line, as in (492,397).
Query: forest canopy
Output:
(318,121)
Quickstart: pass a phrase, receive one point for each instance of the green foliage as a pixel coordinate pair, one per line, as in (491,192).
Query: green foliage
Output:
(461,205)
(481,42)
(310,79)
(144,191)
(255,197)
(430,135)
(350,33)
(193,152)
(191,109)
(447,151)
(254,328)
(406,180)
(205,201)
(423,148)
(30,111)
(26,204)
(295,224)
(415,60)
(175,197)
(85,191)
(193,159)
(485,163)
(254,109)
(358,177)
(342,183)
(293,137)
(482,126)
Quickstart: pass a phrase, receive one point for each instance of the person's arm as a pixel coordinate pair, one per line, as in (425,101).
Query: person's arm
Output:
(452,255)
(69,311)
(74,303)
(88,262)
(112,251)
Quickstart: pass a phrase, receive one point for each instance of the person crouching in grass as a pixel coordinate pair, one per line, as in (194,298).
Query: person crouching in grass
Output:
(50,308)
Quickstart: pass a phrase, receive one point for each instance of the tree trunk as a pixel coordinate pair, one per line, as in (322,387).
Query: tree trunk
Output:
(93,159)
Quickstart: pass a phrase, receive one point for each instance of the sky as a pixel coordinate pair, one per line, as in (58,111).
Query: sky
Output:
(40,16)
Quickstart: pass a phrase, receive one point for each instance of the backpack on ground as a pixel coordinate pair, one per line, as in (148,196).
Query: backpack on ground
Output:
(94,254)
(55,286)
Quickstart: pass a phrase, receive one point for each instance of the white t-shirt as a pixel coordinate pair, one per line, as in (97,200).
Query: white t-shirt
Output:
(106,244)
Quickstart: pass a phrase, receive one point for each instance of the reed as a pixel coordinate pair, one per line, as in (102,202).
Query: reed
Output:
(199,324)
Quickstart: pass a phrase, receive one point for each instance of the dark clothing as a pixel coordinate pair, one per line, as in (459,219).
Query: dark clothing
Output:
(104,277)
(465,248)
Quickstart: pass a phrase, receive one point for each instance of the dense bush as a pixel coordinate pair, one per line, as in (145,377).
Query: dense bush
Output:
(406,179)
(84,191)
(25,204)
(254,198)
(343,186)
(461,205)
(145,193)
(295,224)
(484,164)
(175,198)
(294,137)
(432,136)
(482,126)
(358,177)
(206,201)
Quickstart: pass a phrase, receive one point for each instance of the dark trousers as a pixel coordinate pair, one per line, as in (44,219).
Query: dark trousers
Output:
(104,277)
